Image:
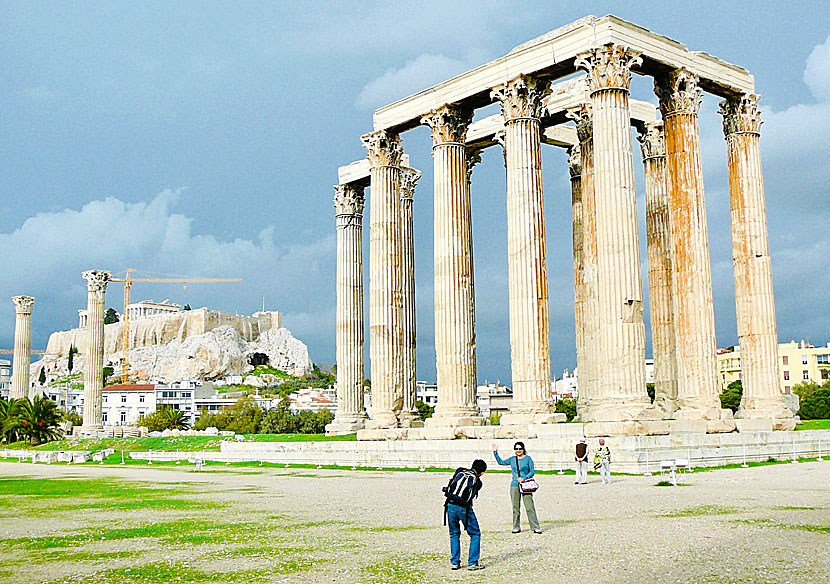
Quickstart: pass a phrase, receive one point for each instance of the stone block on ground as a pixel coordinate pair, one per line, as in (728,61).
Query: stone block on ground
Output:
(576,430)
(510,419)
(438,432)
(754,424)
(627,428)
(383,434)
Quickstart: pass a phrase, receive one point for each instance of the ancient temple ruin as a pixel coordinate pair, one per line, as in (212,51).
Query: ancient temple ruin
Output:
(579,74)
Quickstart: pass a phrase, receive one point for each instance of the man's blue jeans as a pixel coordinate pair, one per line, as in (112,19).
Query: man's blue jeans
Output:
(456,515)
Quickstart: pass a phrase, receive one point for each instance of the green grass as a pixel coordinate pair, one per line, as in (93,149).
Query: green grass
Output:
(814,425)
(701,510)
(771,523)
(400,570)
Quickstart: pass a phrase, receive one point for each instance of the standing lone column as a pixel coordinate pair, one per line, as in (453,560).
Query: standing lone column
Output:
(385,329)
(351,416)
(585,257)
(621,389)
(522,103)
(694,315)
(455,337)
(754,303)
(22,346)
(653,145)
(96,285)
(408,415)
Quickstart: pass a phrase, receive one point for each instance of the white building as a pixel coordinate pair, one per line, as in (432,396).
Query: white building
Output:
(5,378)
(313,400)
(427,393)
(493,398)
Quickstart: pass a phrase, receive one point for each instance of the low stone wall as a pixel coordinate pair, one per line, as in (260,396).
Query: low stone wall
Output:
(48,456)
(631,454)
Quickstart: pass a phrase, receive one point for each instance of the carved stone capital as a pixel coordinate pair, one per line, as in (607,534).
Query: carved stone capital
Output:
(741,114)
(384,148)
(582,116)
(473,156)
(522,98)
(609,66)
(23,304)
(499,138)
(96,280)
(409,179)
(652,140)
(575,161)
(449,123)
(348,199)
(678,92)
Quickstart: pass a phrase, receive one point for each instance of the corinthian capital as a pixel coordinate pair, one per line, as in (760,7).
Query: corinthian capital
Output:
(96,280)
(348,199)
(23,304)
(384,148)
(678,92)
(741,114)
(522,97)
(409,179)
(449,123)
(652,140)
(609,66)
(473,157)
(582,116)
(575,160)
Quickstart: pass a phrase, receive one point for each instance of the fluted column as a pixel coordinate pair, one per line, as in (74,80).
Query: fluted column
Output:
(22,346)
(96,285)
(581,162)
(385,301)
(692,301)
(350,416)
(522,104)
(653,145)
(754,302)
(621,388)
(455,338)
(408,416)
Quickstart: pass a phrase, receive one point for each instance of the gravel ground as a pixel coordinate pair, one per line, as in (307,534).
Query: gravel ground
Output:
(764,524)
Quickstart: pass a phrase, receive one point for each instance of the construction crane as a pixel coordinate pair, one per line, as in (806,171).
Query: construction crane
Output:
(125,318)
(33,352)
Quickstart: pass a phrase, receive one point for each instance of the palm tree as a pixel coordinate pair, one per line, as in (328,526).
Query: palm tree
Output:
(173,419)
(37,420)
(5,410)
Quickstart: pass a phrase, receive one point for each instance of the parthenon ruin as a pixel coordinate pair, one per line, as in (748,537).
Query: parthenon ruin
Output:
(579,73)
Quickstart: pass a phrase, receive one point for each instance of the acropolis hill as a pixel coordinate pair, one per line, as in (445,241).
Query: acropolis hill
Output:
(170,346)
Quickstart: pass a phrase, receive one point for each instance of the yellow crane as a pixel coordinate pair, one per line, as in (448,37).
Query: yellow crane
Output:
(125,317)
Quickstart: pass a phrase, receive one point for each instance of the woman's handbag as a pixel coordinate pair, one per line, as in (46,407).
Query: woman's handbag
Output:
(526,487)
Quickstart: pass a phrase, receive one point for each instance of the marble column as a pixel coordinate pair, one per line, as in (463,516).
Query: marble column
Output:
(581,163)
(653,144)
(455,338)
(351,415)
(96,285)
(408,415)
(754,302)
(522,103)
(692,301)
(22,346)
(621,388)
(385,300)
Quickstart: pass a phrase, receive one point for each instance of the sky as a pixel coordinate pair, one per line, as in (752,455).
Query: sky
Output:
(203,139)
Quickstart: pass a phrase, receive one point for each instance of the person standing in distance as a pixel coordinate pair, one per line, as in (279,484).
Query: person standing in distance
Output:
(581,457)
(602,459)
(521,465)
(458,509)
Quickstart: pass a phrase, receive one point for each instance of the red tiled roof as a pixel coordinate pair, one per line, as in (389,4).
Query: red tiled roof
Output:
(122,387)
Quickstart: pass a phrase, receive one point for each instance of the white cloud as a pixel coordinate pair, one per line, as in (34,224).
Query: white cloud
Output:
(45,256)
(424,71)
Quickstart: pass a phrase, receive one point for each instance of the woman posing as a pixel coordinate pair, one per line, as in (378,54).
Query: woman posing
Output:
(522,467)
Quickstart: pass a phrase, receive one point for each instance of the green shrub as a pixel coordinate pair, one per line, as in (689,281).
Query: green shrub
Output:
(424,410)
(816,406)
(164,418)
(567,406)
(731,396)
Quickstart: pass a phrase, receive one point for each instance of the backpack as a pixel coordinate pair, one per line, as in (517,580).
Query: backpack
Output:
(461,489)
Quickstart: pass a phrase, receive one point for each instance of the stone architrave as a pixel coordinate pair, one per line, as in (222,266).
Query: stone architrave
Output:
(96,285)
(385,300)
(653,144)
(350,416)
(522,102)
(408,415)
(23,306)
(692,301)
(581,161)
(621,388)
(754,303)
(455,339)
